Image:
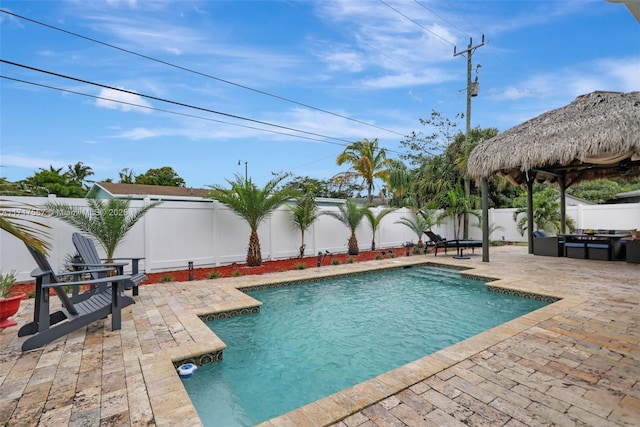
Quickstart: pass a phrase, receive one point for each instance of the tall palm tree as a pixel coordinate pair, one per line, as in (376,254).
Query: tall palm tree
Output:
(303,214)
(374,221)
(350,214)
(107,221)
(14,220)
(252,204)
(367,161)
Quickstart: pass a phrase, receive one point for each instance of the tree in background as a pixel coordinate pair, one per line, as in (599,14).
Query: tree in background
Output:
(303,214)
(456,206)
(53,181)
(367,161)
(374,221)
(79,173)
(323,188)
(107,221)
(422,220)
(602,190)
(252,204)
(546,211)
(350,214)
(165,176)
(127,176)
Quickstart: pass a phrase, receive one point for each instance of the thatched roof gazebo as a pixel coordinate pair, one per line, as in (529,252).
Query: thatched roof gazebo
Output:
(595,136)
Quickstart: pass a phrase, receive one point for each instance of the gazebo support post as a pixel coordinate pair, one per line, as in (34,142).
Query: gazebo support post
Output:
(530,178)
(563,204)
(485,219)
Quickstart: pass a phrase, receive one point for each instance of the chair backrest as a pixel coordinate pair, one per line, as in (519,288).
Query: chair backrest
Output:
(87,250)
(539,233)
(433,236)
(43,264)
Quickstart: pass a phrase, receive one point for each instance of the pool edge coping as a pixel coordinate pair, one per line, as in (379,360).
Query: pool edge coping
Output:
(160,374)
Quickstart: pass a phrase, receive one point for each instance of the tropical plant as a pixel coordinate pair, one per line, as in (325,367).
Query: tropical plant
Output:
(127,176)
(55,182)
(252,204)
(165,176)
(79,173)
(546,212)
(107,221)
(6,283)
(457,206)
(303,215)
(14,219)
(350,214)
(418,224)
(374,221)
(368,162)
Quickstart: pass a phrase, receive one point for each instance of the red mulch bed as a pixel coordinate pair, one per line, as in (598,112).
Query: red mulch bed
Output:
(234,270)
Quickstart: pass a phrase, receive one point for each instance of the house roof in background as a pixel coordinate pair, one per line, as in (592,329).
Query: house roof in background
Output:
(139,191)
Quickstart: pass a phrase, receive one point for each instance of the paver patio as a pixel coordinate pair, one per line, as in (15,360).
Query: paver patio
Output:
(574,362)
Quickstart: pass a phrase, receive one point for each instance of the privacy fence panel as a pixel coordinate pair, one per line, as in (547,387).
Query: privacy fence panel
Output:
(208,233)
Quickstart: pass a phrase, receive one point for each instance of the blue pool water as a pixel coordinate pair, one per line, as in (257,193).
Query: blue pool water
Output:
(313,340)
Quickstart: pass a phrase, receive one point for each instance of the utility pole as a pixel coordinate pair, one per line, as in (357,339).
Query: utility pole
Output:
(472,90)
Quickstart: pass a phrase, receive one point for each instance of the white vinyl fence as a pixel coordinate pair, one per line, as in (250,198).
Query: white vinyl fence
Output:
(208,234)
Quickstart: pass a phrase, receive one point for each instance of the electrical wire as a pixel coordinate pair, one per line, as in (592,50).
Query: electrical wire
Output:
(133,104)
(416,22)
(164,100)
(198,72)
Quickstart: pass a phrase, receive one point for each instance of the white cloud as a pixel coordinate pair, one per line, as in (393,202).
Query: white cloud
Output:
(116,100)
(30,162)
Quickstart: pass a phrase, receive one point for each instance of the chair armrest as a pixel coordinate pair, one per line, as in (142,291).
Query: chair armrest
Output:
(112,264)
(120,278)
(91,270)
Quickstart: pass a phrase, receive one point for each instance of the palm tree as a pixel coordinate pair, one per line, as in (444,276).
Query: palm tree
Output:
(374,221)
(350,214)
(79,173)
(106,221)
(546,213)
(303,214)
(252,204)
(13,220)
(418,224)
(457,206)
(367,161)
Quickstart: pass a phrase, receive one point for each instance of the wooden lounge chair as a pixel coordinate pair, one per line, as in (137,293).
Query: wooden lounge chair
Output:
(440,242)
(76,312)
(91,259)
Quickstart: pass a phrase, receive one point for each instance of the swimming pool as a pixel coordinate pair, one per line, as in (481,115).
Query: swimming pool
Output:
(313,340)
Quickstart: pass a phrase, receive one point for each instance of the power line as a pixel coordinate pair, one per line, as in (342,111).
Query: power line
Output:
(416,22)
(133,104)
(163,100)
(452,25)
(198,72)
(342,142)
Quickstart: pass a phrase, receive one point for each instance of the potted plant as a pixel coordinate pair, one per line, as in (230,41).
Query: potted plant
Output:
(9,301)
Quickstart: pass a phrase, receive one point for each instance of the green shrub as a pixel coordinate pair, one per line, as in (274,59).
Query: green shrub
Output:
(236,273)
(214,275)
(378,256)
(417,250)
(350,260)
(392,255)
(166,278)
(335,261)
(299,266)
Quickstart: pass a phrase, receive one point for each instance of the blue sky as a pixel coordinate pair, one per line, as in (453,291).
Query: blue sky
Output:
(384,64)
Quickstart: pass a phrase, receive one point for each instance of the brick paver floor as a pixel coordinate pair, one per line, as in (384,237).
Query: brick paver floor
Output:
(573,362)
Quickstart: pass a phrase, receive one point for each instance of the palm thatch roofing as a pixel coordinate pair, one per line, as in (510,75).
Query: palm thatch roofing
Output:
(595,136)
